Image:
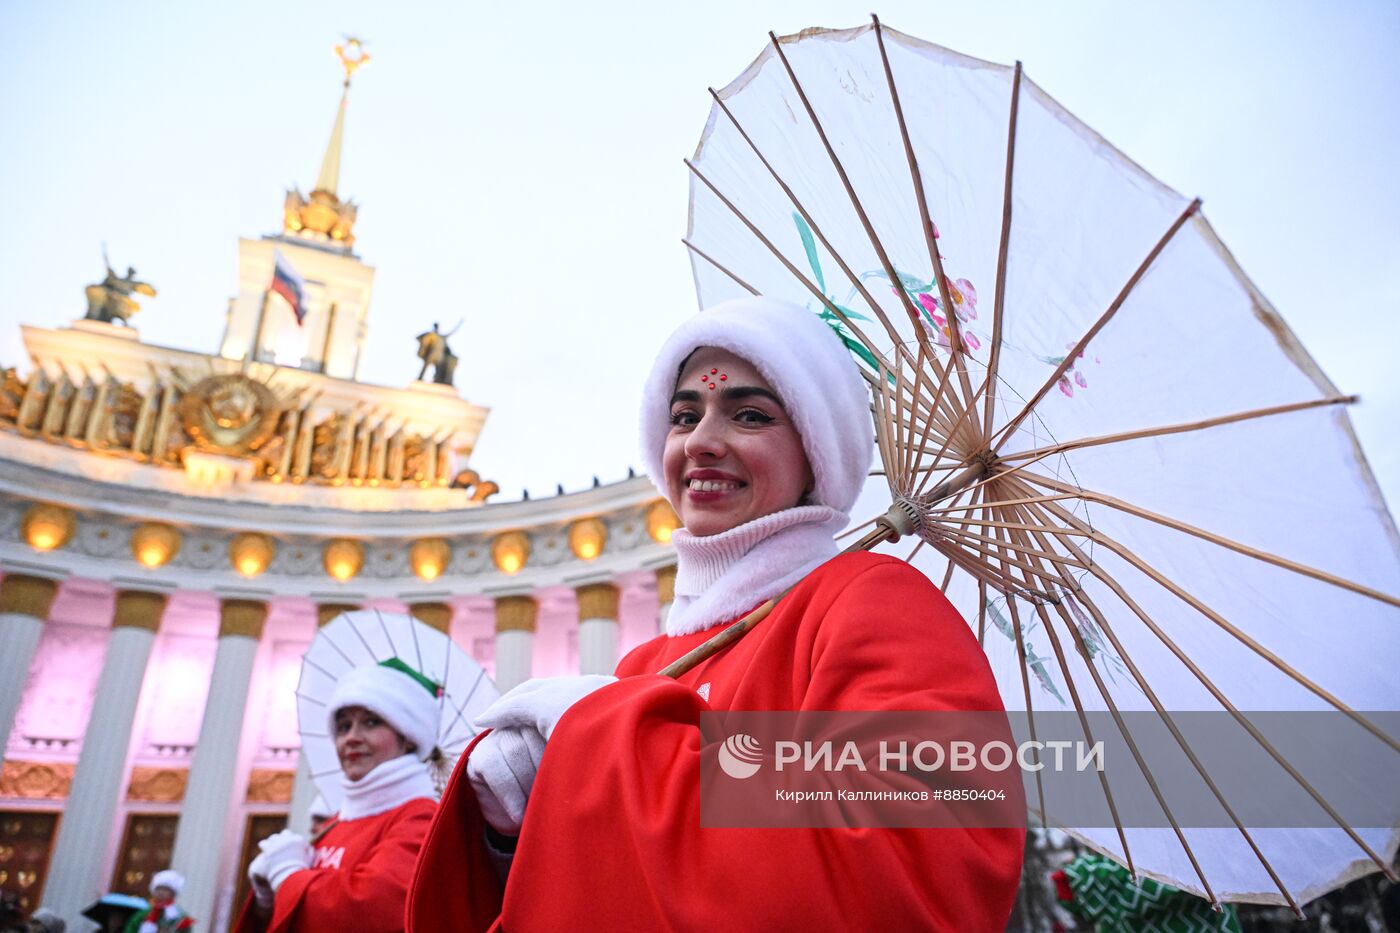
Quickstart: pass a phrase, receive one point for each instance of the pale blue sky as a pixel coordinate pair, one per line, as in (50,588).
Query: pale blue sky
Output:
(520,166)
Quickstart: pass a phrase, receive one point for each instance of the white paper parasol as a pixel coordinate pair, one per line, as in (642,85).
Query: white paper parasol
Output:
(366,637)
(1112,453)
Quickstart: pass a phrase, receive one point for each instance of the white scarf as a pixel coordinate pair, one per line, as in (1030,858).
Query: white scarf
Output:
(720,576)
(389,784)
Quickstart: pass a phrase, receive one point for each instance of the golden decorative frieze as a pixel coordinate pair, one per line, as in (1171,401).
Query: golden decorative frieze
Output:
(281,435)
(138,609)
(597,601)
(230,414)
(242,617)
(268,786)
(158,785)
(36,780)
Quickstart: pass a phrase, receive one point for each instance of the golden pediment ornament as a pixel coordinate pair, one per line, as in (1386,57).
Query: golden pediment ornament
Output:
(229,414)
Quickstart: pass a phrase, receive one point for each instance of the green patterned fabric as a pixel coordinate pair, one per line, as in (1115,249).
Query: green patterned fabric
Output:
(1104,893)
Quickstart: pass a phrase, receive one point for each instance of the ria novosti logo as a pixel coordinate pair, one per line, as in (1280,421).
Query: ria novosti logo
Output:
(740,756)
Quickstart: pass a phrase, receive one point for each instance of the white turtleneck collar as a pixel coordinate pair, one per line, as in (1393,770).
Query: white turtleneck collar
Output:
(720,576)
(388,785)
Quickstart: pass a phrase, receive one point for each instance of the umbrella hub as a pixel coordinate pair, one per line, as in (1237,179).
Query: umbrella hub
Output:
(903,518)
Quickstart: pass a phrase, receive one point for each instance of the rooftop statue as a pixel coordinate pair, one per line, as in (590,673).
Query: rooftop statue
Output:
(111,300)
(434,352)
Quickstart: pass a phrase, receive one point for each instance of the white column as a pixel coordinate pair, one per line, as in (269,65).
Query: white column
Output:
(199,841)
(24,605)
(515,639)
(665,595)
(597,628)
(85,831)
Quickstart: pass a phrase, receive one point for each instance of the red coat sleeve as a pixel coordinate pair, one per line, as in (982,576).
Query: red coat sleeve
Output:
(367,897)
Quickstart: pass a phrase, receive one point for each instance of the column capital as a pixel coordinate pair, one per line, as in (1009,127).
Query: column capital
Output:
(31,596)
(516,613)
(597,601)
(327,611)
(666,584)
(139,609)
(435,615)
(242,617)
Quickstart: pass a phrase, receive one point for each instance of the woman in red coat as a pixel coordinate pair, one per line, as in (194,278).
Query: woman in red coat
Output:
(585,795)
(354,872)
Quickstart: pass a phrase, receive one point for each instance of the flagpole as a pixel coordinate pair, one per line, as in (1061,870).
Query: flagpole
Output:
(257,331)
(326,346)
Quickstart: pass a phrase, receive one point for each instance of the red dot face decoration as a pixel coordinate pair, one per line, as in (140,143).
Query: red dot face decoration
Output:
(708,379)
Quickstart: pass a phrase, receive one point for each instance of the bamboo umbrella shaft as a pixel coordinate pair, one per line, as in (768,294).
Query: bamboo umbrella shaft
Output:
(1073,353)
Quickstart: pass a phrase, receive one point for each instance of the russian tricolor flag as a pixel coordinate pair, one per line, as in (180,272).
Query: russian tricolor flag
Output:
(287,283)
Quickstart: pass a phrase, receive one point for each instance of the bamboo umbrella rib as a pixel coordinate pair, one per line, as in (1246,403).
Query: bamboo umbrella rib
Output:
(875,243)
(899,348)
(325,636)
(368,650)
(1102,621)
(1026,695)
(816,229)
(852,530)
(948,576)
(1239,635)
(1123,729)
(957,349)
(1227,543)
(1181,428)
(981,614)
(320,668)
(1224,701)
(1084,721)
(974,540)
(461,710)
(1003,249)
(310,699)
(909,423)
(1073,353)
(943,448)
(712,261)
(889,454)
(936,510)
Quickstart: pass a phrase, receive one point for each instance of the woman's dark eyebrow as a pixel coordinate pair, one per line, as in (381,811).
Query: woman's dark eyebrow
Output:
(728,393)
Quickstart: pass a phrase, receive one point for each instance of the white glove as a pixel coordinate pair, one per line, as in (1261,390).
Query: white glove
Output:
(286,852)
(501,770)
(257,875)
(539,703)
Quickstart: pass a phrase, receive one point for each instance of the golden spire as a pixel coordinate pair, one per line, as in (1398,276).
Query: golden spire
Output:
(352,55)
(324,214)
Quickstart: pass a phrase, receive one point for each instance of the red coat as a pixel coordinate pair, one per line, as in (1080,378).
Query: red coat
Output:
(612,837)
(358,879)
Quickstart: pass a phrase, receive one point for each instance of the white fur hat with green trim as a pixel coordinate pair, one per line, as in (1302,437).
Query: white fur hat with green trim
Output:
(403,697)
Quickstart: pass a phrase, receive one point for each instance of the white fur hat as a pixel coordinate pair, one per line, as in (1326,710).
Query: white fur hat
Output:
(170,878)
(803,359)
(404,702)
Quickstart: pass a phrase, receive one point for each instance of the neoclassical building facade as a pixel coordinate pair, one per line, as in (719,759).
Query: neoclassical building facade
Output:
(174,526)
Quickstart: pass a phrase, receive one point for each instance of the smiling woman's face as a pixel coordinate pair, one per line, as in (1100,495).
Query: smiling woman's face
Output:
(732,454)
(363,740)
